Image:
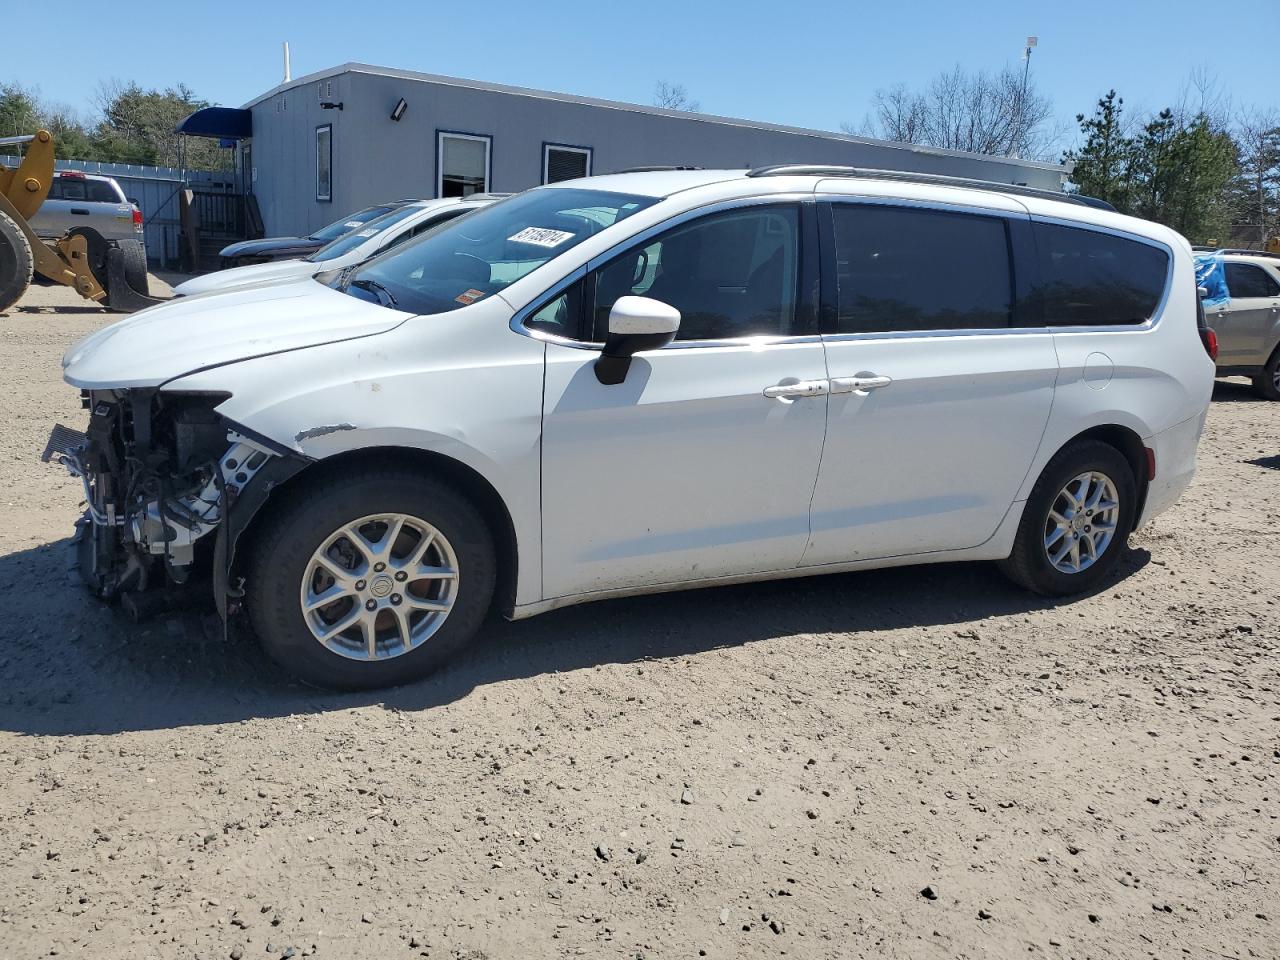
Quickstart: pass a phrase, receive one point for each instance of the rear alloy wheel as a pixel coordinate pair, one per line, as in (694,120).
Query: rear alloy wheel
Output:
(370,578)
(1266,383)
(1075,522)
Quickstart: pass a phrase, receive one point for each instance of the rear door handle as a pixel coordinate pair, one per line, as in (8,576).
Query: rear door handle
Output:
(801,388)
(80,211)
(858,384)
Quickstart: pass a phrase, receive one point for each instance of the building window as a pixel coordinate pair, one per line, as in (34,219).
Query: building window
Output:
(324,162)
(462,164)
(561,162)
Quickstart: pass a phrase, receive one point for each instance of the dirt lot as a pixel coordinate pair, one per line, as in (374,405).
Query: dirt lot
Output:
(766,770)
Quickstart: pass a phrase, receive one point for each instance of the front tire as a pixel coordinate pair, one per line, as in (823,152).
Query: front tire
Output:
(1266,383)
(370,579)
(1076,521)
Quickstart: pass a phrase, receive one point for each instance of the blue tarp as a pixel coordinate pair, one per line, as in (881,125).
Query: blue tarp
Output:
(1211,275)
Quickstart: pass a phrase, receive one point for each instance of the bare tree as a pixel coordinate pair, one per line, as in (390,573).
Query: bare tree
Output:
(1257,191)
(1000,113)
(674,96)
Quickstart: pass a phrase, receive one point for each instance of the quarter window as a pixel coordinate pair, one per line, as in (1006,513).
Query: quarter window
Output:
(565,163)
(324,162)
(903,269)
(1088,278)
(462,164)
(1246,280)
(730,274)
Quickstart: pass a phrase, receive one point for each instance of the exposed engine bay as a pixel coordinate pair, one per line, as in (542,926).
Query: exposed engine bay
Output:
(161,472)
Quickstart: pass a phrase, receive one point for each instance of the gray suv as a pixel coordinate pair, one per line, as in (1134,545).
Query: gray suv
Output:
(1247,319)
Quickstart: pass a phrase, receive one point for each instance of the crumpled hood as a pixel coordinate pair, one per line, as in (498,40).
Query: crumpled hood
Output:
(196,333)
(272,272)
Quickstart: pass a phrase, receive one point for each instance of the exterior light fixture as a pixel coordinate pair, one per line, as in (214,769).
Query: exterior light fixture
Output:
(399,110)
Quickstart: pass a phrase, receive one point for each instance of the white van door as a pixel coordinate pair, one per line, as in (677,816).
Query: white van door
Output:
(687,470)
(938,401)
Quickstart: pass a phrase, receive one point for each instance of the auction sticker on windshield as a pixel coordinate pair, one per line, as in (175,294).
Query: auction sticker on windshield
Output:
(541,237)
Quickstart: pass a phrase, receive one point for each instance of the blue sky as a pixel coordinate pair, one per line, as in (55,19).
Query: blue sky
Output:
(814,64)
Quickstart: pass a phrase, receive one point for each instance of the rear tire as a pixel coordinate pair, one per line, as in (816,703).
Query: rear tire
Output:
(307,545)
(1266,383)
(133,257)
(16,262)
(1076,486)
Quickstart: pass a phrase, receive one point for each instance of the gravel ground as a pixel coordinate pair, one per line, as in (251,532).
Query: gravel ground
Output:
(906,763)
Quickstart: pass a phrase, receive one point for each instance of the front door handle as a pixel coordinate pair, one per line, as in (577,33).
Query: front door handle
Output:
(801,388)
(858,384)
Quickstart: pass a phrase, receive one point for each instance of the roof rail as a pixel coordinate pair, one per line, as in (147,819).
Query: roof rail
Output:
(870,173)
(658,169)
(475,197)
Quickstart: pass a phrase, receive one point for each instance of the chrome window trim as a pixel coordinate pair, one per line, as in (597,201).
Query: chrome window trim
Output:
(715,206)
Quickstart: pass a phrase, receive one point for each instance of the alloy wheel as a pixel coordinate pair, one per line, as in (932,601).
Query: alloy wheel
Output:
(379,587)
(1082,522)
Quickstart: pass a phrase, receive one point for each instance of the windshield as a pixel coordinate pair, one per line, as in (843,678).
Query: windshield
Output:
(336,229)
(479,254)
(353,239)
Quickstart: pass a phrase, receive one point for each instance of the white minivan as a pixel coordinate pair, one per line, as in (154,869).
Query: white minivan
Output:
(641,382)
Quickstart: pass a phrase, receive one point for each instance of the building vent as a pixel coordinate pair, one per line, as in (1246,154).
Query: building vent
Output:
(565,163)
(324,89)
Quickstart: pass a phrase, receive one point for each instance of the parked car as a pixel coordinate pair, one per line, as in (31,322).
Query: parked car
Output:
(244,252)
(1243,308)
(371,238)
(95,206)
(644,382)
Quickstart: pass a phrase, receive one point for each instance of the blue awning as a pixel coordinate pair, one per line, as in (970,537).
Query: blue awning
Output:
(224,122)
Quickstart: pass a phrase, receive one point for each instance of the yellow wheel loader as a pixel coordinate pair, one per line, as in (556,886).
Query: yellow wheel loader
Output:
(65,260)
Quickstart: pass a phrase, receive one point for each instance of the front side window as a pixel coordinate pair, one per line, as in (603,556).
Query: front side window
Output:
(462,164)
(905,269)
(730,275)
(476,256)
(565,163)
(1246,280)
(324,162)
(1089,278)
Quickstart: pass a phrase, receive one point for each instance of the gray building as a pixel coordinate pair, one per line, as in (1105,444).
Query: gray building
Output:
(321,146)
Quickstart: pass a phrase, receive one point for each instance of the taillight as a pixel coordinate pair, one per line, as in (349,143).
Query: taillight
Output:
(137,218)
(1210,341)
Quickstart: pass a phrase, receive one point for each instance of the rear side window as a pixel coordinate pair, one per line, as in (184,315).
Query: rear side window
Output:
(1247,280)
(902,269)
(1090,279)
(100,191)
(93,191)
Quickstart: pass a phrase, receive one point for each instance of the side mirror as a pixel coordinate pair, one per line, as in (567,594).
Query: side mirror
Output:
(635,324)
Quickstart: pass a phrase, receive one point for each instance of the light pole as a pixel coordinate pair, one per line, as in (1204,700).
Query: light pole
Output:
(1022,97)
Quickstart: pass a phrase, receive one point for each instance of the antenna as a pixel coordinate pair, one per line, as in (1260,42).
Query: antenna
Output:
(287,78)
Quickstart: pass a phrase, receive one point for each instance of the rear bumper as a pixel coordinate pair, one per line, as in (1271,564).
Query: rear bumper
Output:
(1175,451)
